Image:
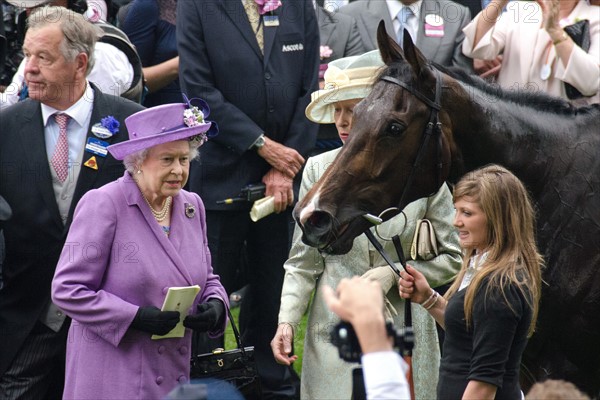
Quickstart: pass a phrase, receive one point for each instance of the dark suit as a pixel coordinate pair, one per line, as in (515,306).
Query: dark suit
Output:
(35,234)
(473,5)
(249,94)
(446,50)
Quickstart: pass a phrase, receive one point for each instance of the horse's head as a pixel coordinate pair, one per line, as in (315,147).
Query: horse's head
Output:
(373,170)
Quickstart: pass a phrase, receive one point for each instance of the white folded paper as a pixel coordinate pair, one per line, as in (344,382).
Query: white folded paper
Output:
(178,299)
(262,208)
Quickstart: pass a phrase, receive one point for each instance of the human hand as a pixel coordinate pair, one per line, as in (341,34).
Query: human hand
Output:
(281,345)
(487,68)
(360,302)
(413,285)
(550,15)
(282,158)
(151,320)
(384,275)
(279,186)
(208,316)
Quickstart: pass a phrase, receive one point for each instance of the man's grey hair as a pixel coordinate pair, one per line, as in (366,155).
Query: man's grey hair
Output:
(79,35)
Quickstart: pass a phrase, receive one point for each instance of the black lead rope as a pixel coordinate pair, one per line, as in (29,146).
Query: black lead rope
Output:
(402,258)
(408,329)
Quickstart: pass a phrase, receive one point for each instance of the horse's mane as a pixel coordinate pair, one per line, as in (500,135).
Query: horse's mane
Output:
(522,97)
(548,103)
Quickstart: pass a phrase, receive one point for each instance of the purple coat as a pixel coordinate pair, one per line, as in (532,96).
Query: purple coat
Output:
(116,259)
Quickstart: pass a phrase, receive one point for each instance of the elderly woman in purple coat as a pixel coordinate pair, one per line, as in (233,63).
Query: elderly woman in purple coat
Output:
(130,241)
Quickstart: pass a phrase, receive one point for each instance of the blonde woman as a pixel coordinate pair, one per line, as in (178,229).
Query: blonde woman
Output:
(491,309)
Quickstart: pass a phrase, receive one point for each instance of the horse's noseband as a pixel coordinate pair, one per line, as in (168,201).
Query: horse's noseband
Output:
(433,127)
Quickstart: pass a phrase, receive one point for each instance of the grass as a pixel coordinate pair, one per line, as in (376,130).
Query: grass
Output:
(298,340)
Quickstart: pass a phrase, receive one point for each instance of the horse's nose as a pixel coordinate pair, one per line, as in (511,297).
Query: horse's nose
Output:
(301,214)
(316,226)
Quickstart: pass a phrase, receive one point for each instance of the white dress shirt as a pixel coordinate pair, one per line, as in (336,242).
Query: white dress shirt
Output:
(412,25)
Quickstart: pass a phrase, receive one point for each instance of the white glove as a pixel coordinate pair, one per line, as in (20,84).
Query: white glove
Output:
(386,277)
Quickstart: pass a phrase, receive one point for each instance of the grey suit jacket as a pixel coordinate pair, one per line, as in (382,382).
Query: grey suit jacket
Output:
(340,33)
(446,50)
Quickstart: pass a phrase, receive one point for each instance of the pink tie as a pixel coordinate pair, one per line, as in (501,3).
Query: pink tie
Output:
(60,158)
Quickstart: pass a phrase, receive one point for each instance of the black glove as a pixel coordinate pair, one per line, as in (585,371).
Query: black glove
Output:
(150,319)
(208,317)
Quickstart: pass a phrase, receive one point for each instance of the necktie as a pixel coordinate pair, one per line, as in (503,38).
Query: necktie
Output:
(252,11)
(403,17)
(60,158)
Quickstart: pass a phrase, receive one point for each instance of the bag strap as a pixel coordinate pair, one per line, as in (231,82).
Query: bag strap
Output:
(236,333)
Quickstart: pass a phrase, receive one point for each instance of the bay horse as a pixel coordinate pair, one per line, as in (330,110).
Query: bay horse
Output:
(392,158)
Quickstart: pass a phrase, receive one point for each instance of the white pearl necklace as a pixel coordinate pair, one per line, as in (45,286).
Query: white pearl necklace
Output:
(162,214)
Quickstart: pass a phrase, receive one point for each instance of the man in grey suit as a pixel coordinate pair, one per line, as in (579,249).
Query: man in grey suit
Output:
(52,151)
(340,33)
(435,26)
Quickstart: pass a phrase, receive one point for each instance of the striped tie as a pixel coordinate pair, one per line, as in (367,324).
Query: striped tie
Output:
(60,158)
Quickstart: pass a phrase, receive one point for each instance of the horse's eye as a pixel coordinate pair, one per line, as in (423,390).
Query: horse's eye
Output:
(395,129)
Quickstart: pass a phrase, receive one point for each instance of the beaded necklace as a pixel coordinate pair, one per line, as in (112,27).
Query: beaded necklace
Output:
(162,214)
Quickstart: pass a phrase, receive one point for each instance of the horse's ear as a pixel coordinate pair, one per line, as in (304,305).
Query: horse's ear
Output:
(415,58)
(390,51)
(413,55)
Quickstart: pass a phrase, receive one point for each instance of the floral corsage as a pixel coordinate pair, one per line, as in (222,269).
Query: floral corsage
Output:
(194,115)
(265,6)
(111,124)
(325,52)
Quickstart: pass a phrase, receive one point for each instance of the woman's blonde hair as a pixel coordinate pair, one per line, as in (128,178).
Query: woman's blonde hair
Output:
(512,254)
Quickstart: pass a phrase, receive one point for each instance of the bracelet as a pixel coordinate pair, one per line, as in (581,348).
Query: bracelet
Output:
(431,298)
(561,39)
(434,301)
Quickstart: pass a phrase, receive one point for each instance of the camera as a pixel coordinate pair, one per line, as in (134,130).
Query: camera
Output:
(344,338)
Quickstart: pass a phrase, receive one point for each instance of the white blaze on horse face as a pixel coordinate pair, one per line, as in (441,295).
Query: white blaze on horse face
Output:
(307,211)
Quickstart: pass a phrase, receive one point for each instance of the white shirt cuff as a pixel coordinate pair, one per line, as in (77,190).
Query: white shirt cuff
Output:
(385,376)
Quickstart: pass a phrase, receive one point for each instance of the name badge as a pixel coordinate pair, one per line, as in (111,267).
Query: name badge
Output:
(101,132)
(97,147)
(434,25)
(271,20)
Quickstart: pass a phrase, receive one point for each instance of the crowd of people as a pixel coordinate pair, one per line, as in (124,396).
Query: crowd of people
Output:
(112,180)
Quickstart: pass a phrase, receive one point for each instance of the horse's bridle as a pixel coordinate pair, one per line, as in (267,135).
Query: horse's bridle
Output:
(434,127)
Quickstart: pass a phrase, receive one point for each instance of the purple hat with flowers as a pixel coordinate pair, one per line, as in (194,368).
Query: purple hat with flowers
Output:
(166,123)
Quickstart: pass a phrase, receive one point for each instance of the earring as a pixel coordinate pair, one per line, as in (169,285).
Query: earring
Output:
(139,171)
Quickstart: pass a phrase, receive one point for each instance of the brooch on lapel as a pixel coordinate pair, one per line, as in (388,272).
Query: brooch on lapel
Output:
(190,210)
(91,163)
